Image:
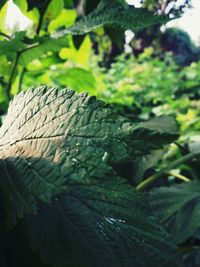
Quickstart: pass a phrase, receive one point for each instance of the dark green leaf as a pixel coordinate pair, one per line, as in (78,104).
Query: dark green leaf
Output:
(116,14)
(51,139)
(178,209)
(100,225)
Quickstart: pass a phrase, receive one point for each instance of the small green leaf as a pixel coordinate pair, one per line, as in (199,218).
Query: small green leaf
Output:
(54,9)
(66,18)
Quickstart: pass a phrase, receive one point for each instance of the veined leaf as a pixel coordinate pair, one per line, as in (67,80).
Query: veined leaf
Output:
(52,139)
(115,14)
(100,225)
(178,209)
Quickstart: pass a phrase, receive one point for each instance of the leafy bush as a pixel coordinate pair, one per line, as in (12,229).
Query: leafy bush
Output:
(73,168)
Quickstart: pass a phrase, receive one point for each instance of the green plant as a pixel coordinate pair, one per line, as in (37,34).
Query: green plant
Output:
(72,168)
(69,159)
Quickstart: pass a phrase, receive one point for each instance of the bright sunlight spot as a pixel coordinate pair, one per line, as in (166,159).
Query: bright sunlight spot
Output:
(15,18)
(135,3)
(189,21)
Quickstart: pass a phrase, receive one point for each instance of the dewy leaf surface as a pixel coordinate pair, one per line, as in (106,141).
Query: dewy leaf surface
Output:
(52,139)
(116,14)
(178,209)
(100,225)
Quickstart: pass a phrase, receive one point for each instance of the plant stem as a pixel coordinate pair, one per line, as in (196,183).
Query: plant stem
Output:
(171,166)
(8,89)
(21,79)
(42,12)
(5,35)
(179,176)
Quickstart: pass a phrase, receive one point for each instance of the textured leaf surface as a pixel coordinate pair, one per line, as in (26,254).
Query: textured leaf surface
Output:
(116,14)
(178,209)
(99,225)
(52,139)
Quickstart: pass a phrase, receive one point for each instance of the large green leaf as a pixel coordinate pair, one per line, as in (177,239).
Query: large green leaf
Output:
(51,139)
(116,14)
(100,225)
(178,209)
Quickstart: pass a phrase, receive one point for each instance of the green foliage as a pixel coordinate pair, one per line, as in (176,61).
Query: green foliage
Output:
(74,151)
(71,165)
(115,13)
(10,47)
(99,227)
(177,207)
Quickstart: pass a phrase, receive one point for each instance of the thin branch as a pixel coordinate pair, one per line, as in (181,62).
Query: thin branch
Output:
(14,67)
(21,79)
(5,35)
(168,168)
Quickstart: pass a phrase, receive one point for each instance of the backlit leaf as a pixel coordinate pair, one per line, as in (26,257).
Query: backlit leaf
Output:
(116,14)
